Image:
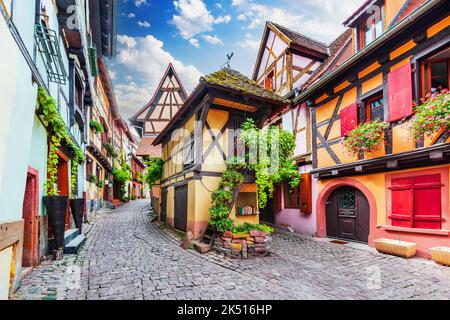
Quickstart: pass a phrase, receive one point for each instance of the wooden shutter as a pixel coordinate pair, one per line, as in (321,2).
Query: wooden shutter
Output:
(278,197)
(402,202)
(305,194)
(400,93)
(349,119)
(427,202)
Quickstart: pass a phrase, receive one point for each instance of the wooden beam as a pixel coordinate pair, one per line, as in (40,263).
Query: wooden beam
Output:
(234,105)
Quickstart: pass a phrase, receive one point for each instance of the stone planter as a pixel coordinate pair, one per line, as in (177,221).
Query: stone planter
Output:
(441,255)
(244,246)
(395,247)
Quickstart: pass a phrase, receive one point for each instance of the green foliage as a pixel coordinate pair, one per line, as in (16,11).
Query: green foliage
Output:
(122,175)
(100,183)
(154,171)
(247,227)
(59,135)
(91,178)
(433,115)
(96,126)
(365,138)
(271,144)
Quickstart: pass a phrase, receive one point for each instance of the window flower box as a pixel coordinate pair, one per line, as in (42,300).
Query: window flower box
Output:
(395,247)
(441,255)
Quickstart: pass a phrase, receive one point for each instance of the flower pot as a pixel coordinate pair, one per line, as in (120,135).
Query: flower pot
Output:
(395,247)
(441,255)
(76,207)
(56,207)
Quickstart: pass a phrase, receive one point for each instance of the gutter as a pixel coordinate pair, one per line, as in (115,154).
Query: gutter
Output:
(374,45)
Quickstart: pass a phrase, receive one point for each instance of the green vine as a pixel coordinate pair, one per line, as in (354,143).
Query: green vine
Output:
(154,171)
(122,175)
(270,146)
(96,126)
(59,134)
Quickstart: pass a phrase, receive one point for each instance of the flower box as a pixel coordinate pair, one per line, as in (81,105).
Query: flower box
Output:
(395,247)
(441,255)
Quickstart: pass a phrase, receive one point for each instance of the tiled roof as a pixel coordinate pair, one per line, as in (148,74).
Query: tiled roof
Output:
(302,40)
(412,6)
(147,149)
(232,79)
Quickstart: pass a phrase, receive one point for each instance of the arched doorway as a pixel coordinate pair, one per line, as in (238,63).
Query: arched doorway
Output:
(348,215)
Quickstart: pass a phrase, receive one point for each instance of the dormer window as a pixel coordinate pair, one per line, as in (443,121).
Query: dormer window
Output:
(370,31)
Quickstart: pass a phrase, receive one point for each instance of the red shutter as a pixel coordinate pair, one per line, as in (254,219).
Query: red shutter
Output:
(305,194)
(349,119)
(400,93)
(427,202)
(402,202)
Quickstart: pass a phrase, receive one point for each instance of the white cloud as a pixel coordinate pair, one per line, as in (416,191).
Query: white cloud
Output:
(131,15)
(320,19)
(194,42)
(144,24)
(132,52)
(219,6)
(194,18)
(138,3)
(249,42)
(213,39)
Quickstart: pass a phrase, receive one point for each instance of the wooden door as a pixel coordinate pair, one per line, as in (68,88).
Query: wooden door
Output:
(63,181)
(30,215)
(348,215)
(163,205)
(181,199)
(268,213)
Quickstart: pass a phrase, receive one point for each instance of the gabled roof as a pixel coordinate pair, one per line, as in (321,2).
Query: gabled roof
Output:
(301,39)
(147,149)
(170,92)
(293,39)
(229,80)
(234,80)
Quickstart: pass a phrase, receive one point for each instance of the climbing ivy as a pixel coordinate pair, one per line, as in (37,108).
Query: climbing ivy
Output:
(122,174)
(59,134)
(154,171)
(270,146)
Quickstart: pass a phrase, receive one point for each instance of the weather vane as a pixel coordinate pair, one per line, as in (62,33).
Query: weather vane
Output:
(229,57)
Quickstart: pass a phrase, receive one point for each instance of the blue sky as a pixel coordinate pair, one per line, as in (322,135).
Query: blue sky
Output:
(196,35)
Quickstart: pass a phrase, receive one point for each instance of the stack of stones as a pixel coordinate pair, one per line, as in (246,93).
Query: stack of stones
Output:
(244,245)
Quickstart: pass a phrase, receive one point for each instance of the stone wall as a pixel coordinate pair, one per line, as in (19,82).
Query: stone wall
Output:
(244,245)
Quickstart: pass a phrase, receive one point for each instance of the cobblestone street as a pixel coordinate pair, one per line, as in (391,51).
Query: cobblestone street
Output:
(127,257)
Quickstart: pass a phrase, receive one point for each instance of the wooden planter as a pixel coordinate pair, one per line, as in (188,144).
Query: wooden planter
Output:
(395,247)
(441,255)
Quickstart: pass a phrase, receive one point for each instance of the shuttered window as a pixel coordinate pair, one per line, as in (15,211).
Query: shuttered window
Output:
(349,119)
(416,202)
(400,93)
(291,197)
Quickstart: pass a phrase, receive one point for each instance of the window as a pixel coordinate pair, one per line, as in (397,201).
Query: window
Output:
(374,109)
(88,167)
(291,197)
(435,72)
(416,202)
(370,31)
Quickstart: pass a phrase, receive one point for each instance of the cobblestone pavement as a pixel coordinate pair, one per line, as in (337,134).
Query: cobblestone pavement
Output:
(127,257)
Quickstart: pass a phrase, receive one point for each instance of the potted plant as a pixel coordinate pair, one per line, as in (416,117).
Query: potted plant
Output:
(76,204)
(365,138)
(433,116)
(96,126)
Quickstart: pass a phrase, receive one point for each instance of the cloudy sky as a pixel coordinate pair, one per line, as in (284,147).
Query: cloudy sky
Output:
(196,35)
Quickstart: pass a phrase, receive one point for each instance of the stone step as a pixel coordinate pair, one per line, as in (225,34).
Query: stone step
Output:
(75,244)
(201,246)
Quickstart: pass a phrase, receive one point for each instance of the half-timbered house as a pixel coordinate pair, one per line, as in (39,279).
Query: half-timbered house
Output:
(400,191)
(199,139)
(286,61)
(152,118)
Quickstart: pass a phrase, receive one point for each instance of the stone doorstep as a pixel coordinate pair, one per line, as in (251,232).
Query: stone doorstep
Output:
(201,247)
